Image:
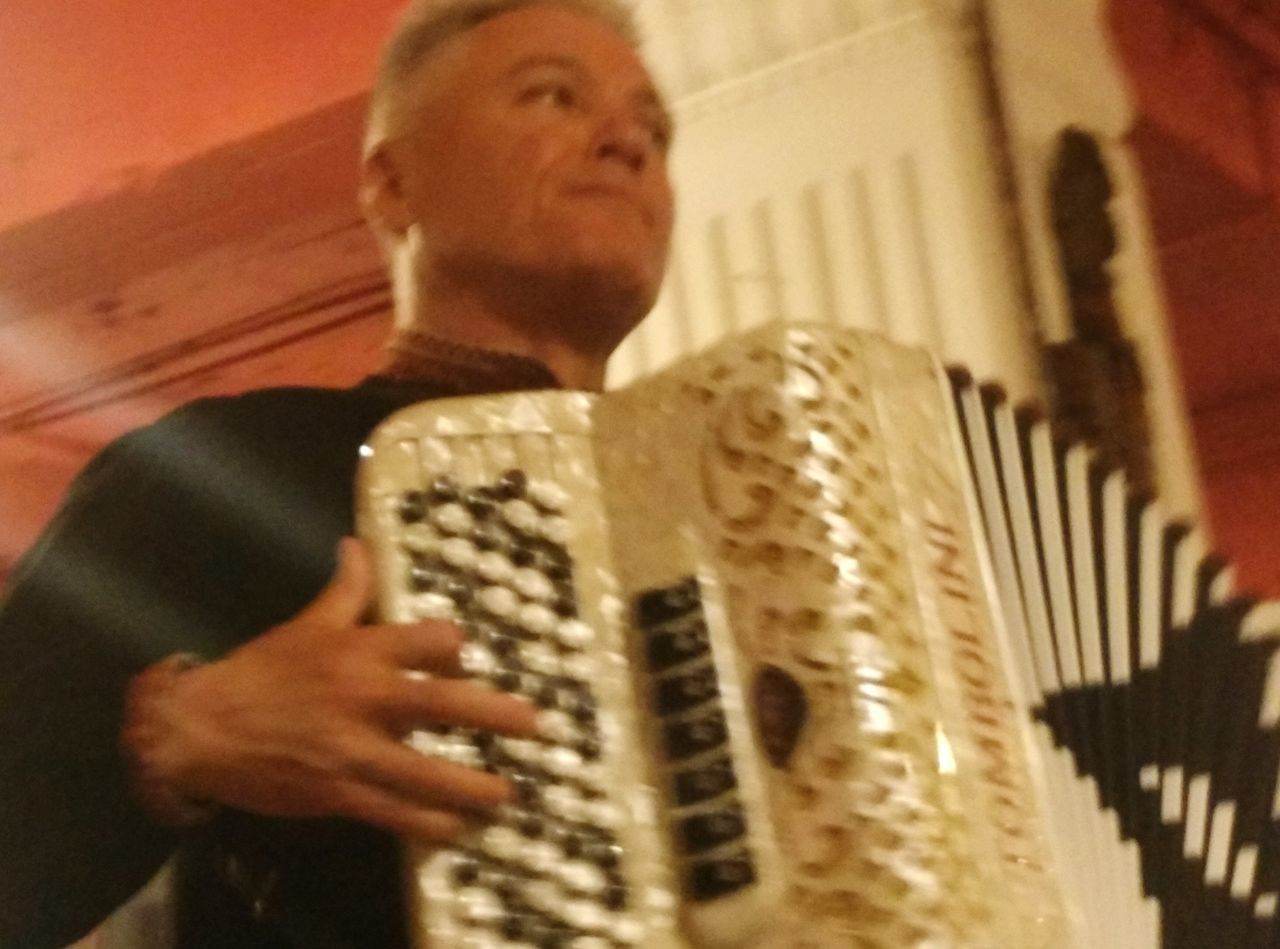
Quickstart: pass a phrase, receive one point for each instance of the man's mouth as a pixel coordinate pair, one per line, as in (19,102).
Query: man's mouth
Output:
(617,193)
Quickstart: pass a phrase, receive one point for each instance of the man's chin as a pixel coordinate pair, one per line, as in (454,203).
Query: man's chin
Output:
(616,300)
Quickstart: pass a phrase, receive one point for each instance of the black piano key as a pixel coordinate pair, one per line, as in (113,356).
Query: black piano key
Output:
(715,878)
(698,784)
(680,693)
(654,607)
(704,733)
(703,832)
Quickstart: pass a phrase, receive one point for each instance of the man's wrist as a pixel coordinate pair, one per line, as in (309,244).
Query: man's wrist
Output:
(147,725)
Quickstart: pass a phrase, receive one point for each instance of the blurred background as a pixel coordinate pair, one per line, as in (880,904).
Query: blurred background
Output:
(177,213)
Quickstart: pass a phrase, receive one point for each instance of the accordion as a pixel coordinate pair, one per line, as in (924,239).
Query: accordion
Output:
(831,648)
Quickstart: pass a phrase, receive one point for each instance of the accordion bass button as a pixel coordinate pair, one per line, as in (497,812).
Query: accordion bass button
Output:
(574,634)
(563,762)
(499,601)
(539,657)
(555,529)
(538,619)
(477,661)
(501,842)
(459,553)
(522,516)
(584,914)
(540,856)
(434,606)
(547,496)
(562,802)
(627,931)
(479,907)
(604,814)
(532,585)
(583,877)
(557,727)
(493,567)
(579,666)
(590,942)
(453,519)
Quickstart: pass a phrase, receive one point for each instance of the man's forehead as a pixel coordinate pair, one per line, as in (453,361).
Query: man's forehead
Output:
(643,89)
(548,32)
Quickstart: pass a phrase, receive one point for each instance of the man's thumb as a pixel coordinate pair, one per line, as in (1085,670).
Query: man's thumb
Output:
(343,600)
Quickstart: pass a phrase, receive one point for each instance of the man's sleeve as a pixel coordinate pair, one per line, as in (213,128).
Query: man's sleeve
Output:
(95,601)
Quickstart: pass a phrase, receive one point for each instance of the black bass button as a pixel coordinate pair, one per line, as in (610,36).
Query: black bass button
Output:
(511,485)
(443,491)
(412,507)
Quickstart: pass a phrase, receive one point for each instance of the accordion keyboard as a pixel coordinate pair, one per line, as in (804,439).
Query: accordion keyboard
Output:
(492,557)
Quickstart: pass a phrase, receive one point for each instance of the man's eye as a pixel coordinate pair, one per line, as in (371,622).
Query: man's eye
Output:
(557,94)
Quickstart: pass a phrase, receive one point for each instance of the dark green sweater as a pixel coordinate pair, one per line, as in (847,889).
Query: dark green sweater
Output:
(191,535)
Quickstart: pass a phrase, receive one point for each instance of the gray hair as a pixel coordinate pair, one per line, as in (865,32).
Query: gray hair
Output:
(427,24)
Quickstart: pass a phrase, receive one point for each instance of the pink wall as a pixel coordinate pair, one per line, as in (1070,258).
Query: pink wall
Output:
(98,95)
(1206,75)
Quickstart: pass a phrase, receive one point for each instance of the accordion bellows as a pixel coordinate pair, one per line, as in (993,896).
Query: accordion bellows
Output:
(791,695)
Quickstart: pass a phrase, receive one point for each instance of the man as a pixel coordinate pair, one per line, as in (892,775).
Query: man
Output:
(177,667)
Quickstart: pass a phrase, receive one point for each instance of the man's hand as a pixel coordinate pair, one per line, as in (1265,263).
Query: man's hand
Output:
(308,719)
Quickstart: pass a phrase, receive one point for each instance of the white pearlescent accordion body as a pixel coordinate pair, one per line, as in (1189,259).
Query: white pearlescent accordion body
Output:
(832,649)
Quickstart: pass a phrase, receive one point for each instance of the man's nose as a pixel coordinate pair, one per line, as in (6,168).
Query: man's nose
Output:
(626,140)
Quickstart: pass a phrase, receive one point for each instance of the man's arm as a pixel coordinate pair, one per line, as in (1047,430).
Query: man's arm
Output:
(304,720)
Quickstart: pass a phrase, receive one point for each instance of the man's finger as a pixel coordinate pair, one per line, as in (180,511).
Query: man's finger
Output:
(420,703)
(427,781)
(391,812)
(343,600)
(433,646)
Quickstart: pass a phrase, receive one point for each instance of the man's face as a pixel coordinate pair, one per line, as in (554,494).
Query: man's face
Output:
(539,147)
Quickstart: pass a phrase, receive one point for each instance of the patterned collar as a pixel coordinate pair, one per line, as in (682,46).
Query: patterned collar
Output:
(456,369)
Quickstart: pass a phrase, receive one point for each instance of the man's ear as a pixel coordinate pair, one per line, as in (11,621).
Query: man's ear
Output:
(382,193)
